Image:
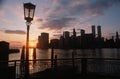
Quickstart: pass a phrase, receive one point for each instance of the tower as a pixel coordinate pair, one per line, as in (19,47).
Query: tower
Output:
(117,40)
(66,34)
(74,33)
(99,31)
(82,32)
(43,40)
(93,31)
(117,36)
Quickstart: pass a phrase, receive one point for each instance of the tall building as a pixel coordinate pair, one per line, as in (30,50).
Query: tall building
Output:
(61,42)
(66,39)
(54,43)
(99,31)
(43,40)
(93,31)
(74,33)
(66,34)
(82,32)
(117,40)
(117,36)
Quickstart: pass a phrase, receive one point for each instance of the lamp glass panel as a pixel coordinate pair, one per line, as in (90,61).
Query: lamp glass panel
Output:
(31,13)
(26,12)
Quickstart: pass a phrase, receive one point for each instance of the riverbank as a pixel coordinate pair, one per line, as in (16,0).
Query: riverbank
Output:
(14,51)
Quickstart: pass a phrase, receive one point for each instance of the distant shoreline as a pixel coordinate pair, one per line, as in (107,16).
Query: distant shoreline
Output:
(14,50)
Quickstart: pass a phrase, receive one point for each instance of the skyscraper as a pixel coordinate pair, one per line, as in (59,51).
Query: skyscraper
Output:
(99,31)
(66,39)
(117,40)
(117,36)
(93,31)
(66,34)
(74,33)
(43,40)
(82,32)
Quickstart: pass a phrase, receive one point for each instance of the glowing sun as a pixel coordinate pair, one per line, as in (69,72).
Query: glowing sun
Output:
(32,44)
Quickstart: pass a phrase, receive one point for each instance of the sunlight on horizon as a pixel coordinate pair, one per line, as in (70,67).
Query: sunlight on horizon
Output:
(32,44)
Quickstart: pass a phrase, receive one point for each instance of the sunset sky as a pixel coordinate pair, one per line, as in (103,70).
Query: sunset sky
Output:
(56,16)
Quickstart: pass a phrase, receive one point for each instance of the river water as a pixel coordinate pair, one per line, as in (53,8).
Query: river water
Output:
(98,66)
(87,53)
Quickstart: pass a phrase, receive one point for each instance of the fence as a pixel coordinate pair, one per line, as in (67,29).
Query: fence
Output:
(103,66)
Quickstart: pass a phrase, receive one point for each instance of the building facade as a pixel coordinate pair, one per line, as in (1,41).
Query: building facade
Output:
(43,41)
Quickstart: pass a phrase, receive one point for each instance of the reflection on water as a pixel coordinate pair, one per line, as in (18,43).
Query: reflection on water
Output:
(88,53)
(31,54)
(43,53)
(94,65)
(31,58)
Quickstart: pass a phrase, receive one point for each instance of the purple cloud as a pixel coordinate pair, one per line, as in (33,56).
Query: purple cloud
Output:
(99,6)
(15,32)
(75,9)
(80,7)
(39,20)
(1,2)
(56,23)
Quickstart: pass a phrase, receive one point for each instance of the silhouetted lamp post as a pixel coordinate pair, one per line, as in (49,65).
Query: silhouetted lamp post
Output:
(29,10)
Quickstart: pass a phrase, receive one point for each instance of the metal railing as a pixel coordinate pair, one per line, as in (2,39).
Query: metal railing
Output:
(84,66)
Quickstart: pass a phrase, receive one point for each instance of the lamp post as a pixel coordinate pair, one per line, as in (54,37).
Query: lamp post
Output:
(29,10)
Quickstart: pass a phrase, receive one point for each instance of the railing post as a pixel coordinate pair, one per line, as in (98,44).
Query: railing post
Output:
(52,57)
(73,60)
(55,62)
(84,66)
(12,73)
(22,62)
(15,68)
(34,55)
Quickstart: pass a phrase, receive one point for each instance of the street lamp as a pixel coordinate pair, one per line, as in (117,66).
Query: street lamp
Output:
(29,10)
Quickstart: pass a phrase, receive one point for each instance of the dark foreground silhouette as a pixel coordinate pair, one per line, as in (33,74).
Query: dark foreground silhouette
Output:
(67,73)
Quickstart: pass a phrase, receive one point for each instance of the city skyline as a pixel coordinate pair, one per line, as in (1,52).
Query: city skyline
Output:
(56,16)
(79,40)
